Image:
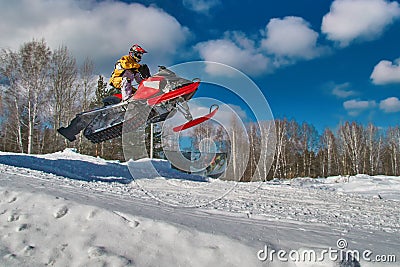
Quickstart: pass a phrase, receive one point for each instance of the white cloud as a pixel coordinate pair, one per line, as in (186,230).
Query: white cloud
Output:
(102,31)
(386,72)
(358,19)
(355,107)
(286,41)
(201,6)
(291,38)
(238,53)
(341,91)
(390,105)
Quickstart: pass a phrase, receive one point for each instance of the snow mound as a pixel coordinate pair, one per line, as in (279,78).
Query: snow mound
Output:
(71,165)
(40,230)
(379,186)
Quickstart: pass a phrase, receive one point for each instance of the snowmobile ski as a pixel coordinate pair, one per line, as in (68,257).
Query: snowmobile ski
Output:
(197,121)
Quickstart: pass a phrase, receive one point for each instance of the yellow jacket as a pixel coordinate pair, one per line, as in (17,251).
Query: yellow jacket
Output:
(123,64)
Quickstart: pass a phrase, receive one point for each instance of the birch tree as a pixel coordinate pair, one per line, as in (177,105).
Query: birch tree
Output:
(281,127)
(34,70)
(328,146)
(27,73)
(393,143)
(86,92)
(9,70)
(63,91)
(309,143)
(268,145)
(255,150)
(239,148)
(374,148)
(87,84)
(354,144)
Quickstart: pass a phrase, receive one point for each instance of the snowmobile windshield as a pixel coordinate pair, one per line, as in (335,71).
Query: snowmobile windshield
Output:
(170,80)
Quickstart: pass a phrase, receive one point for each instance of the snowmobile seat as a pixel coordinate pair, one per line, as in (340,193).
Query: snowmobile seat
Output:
(111,100)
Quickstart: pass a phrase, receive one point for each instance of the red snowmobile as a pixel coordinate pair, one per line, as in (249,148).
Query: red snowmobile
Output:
(158,97)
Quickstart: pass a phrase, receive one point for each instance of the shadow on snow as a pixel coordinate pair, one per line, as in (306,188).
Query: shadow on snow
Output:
(110,172)
(71,168)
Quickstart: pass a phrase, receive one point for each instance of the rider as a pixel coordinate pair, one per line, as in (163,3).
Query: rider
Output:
(127,69)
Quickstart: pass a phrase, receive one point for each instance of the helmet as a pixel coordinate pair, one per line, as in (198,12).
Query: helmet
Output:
(136,52)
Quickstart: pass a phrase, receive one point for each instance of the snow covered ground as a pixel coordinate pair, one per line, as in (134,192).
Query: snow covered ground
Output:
(67,209)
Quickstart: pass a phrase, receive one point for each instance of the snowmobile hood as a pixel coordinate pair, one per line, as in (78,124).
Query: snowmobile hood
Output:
(162,82)
(150,87)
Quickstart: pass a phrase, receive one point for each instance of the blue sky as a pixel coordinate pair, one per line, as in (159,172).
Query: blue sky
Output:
(322,62)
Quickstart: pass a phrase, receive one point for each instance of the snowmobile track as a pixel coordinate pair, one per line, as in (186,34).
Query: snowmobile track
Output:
(107,134)
(135,116)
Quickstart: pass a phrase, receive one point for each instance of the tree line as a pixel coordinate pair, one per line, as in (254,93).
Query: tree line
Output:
(287,149)
(352,149)
(42,89)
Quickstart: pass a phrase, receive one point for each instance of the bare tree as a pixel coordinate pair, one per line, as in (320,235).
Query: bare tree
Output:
(27,73)
(354,144)
(309,145)
(393,143)
(1,103)
(63,90)
(33,70)
(87,83)
(200,133)
(87,89)
(374,148)
(281,127)
(268,145)
(239,149)
(255,150)
(328,146)
(9,70)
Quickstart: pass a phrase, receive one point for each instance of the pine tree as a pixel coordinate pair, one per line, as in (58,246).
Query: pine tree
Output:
(101,92)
